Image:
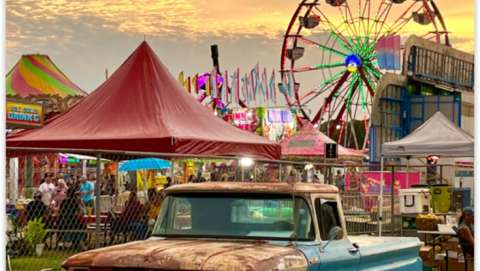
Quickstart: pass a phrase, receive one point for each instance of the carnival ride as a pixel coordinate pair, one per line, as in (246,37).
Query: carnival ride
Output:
(334,53)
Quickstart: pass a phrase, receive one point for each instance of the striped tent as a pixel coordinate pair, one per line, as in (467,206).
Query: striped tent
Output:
(37,75)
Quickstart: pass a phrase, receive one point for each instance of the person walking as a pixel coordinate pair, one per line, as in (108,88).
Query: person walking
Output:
(86,191)
(152,208)
(60,193)
(70,219)
(47,188)
(340,181)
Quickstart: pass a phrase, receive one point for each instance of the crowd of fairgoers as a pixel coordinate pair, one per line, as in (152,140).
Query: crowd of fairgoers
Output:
(66,205)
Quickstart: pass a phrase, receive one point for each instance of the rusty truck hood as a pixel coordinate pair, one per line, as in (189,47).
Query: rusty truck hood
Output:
(182,254)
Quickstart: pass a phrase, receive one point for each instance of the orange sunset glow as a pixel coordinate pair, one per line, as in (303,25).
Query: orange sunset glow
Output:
(58,26)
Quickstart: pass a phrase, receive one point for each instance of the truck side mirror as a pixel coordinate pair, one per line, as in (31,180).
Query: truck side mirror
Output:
(335,233)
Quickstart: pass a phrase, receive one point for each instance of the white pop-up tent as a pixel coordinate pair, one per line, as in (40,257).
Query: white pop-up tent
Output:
(437,136)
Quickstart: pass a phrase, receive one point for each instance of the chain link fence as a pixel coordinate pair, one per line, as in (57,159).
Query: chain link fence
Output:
(60,220)
(362,214)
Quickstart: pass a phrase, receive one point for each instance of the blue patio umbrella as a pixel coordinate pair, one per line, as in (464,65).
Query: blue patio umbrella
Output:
(145,163)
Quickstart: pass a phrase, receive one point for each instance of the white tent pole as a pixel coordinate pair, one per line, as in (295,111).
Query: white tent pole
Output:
(408,172)
(97,200)
(380,204)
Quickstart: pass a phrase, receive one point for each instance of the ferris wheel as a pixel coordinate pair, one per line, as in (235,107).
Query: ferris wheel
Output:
(331,53)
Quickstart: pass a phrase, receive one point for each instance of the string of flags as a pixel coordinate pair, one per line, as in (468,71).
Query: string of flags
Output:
(258,87)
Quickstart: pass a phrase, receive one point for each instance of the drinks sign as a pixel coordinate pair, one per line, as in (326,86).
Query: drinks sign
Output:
(24,115)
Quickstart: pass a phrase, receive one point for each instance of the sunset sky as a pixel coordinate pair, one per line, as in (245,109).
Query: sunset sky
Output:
(85,37)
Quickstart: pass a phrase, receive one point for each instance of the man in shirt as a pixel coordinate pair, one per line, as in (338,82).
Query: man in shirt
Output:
(86,191)
(46,189)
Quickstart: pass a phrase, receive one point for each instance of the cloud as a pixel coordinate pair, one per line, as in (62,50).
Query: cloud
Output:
(190,19)
(84,37)
(157,18)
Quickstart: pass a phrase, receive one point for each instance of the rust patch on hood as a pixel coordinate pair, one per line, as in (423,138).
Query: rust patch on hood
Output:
(183,254)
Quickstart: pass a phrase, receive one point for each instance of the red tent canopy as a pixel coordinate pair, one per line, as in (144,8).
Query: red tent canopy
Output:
(142,108)
(309,142)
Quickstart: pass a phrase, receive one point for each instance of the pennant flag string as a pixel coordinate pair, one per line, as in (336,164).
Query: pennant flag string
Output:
(254,88)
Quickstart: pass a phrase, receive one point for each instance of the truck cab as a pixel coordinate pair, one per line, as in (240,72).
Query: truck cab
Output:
(252,226)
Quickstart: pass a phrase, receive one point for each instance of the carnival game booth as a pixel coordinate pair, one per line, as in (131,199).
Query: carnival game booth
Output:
(35,81)
(441,137)
(274,123)
(437,136)
(36,90)
(309,144)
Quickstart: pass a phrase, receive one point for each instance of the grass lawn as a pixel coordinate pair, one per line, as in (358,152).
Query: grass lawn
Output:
(49,259)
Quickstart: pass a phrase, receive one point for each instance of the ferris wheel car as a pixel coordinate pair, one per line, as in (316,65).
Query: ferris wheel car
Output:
(422,18)
(295,53)
(336,3)
(310,22)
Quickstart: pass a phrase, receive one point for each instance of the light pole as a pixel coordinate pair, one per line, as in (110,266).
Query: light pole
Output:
(244,163)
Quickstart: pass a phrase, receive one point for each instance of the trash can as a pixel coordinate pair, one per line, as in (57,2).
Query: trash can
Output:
(440,198)
(461,198)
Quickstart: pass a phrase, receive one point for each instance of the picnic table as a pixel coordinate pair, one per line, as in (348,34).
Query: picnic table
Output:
(90,230)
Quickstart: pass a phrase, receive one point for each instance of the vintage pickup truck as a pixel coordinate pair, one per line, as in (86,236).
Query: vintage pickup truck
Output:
(252,226)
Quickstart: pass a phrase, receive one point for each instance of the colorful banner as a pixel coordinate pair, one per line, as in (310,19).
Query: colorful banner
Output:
(24,115)
(273,123)
(388,52)
(369,182)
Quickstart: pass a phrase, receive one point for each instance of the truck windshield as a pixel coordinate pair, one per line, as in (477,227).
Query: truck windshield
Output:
(253,216)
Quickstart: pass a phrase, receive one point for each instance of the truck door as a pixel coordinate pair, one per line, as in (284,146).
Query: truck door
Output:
(338,253)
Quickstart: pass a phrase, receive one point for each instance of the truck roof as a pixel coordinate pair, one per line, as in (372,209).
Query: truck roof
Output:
(247,187)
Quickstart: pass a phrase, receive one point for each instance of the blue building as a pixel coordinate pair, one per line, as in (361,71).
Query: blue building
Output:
(434,78)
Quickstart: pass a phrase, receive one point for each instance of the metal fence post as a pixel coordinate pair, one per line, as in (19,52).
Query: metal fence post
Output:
(380,204)
(280,172)
(392,210)
(97,203)
(441,174)
(172,171)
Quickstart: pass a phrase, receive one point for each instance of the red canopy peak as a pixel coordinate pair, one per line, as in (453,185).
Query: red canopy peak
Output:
(142,107)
